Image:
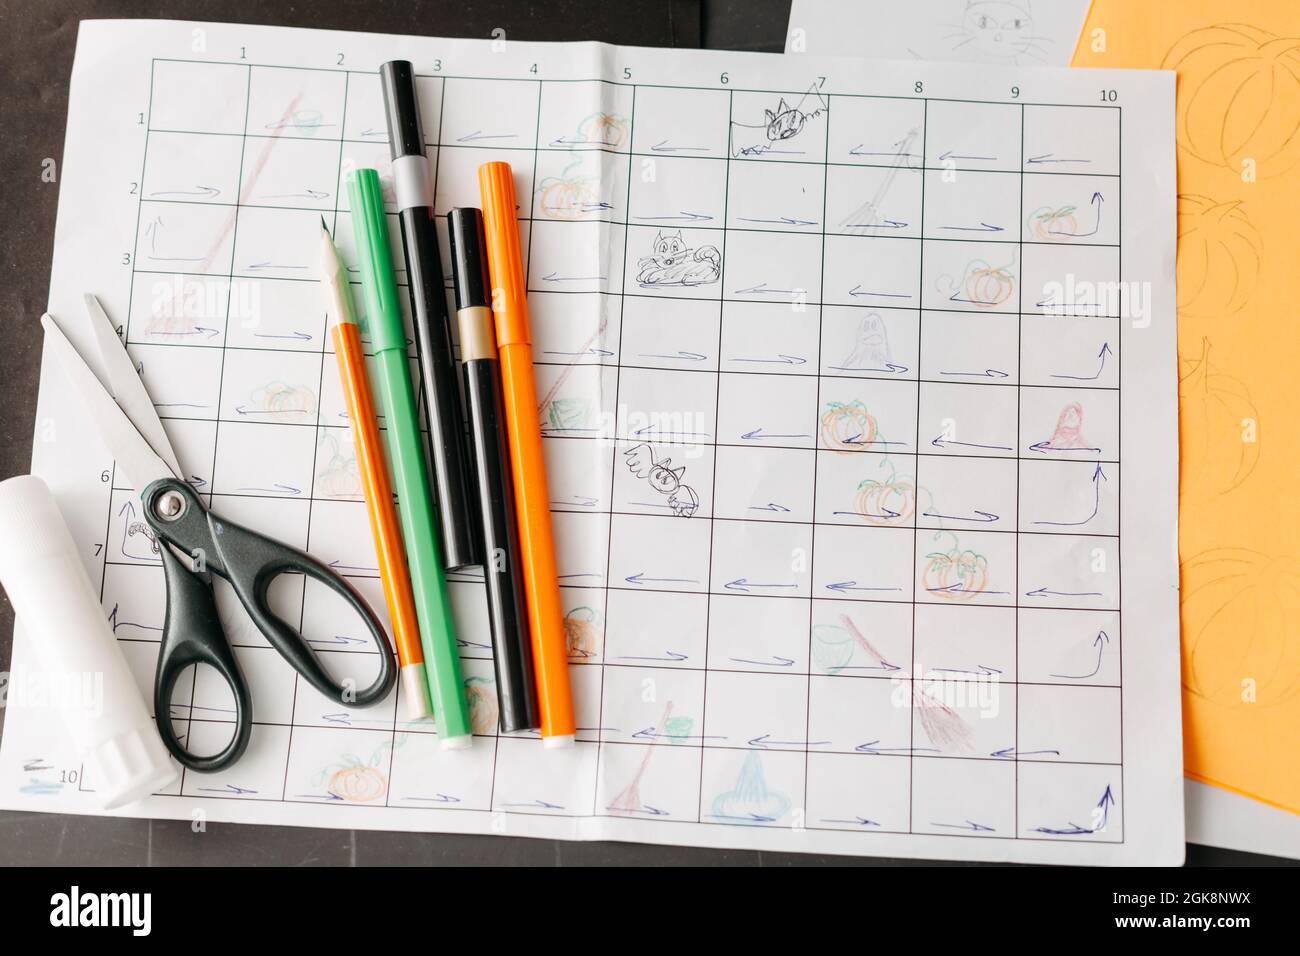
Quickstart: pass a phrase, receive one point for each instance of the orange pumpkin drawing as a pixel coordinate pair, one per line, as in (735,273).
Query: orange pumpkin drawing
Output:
(357,783)
(581,632)
(886,502)
(1237,92)
(1241,623)
(603,129)
(568,198)
(1053,225)
(484,710)
(1213,411)
(337,475)
(848,426)
(281,402)
(986,286)
(956,574)
(1219,256)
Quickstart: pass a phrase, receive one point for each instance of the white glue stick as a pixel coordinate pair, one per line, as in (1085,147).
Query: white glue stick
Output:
(88,681)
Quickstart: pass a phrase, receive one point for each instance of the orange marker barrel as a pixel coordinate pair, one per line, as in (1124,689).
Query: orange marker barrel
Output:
(524,431)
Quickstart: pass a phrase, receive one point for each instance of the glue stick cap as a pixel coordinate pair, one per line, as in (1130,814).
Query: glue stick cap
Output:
(59,614)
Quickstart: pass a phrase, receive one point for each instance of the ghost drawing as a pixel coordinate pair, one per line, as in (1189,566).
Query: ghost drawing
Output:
(870,347)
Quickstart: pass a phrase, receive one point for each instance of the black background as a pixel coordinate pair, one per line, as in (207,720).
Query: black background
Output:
(37,40)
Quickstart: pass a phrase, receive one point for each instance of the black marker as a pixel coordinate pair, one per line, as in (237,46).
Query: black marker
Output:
(507,611)
(413,189)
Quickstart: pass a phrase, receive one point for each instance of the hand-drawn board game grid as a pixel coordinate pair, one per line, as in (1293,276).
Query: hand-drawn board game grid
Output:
(711,645)
(673,606)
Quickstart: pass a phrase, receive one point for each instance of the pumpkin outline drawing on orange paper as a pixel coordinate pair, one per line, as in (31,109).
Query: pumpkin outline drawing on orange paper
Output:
(1239,85)
(1204,393)
(1229,245)
(1245,605)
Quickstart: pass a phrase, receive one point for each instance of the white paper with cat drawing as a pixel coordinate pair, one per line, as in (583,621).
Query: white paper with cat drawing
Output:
(844,371)
(993,32)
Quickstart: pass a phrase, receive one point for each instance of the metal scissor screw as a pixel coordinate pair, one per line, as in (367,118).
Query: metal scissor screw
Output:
(169,506)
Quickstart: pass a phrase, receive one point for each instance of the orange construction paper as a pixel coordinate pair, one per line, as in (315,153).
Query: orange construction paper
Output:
(1238,130)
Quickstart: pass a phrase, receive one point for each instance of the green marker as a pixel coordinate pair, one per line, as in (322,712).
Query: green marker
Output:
(410,479)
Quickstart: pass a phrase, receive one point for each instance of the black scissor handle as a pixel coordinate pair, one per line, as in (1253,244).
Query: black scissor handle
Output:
(192,634)
(250,562)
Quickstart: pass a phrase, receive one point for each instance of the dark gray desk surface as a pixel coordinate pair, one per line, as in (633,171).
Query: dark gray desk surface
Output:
(36,47)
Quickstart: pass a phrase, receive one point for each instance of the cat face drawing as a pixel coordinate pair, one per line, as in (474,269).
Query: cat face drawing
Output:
(668,248)
(996,30)
(664,478)
(785,122)
(674,263)
(773,127)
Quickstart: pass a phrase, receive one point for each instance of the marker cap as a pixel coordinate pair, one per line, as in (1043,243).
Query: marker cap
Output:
(468,263)
(375,260)
(510,300)
(405,131)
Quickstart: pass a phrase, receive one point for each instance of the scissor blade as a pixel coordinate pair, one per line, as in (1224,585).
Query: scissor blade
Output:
(134,455)
(125,385)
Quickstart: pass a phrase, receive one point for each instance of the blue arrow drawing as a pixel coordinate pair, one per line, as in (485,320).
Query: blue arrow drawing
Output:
(1101,365)
(1099,642)
(1098,476)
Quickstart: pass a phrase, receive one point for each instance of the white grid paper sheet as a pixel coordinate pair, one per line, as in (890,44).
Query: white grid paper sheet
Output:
(857,388)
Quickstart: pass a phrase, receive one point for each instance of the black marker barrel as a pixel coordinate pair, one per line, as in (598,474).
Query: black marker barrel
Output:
(413,189)
(512,654)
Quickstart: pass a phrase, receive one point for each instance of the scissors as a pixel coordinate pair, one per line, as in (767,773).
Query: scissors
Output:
(193,541)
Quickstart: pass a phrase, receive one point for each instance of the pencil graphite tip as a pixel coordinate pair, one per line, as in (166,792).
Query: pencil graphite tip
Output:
(324,228)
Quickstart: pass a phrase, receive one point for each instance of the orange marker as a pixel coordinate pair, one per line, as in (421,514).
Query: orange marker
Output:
(524,430)
(374,475)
